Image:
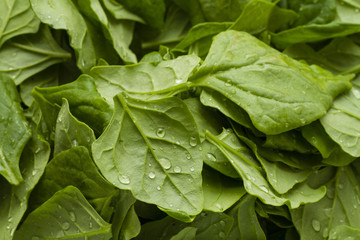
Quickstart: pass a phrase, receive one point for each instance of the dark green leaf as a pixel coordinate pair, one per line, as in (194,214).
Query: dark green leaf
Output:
(14,131)
(66,215)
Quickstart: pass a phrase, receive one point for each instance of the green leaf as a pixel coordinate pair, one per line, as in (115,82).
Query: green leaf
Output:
(88,45)
(201,31)
(14,199)
(209,225)
(66,215)
(152,11)
(266,83)
(119,32)
(75,167)
(14,131)
(340,206)
(119,12)
(85,103)
(323,21)
(30,54)
(246,224)
(125,223)
(155,143)
(255,17)
(255,182)
(70,132)
(46,78)
(342,122)
(188,233)
(220,192)
(146,77)
(16,18)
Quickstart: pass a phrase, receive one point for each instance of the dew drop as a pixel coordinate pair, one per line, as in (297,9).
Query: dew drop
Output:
(178,81)
(149,164)
(356,93)
(192,169)
(327,212)
(219,206)
(316,225)
(72,216)
(222,223)
(34,172)
(228,83)
(188,156)
(193,141)
(158,188)
(165,163)
(341,186)
(264,188)
(330,193)
(65,226)
(160,132)
(74,142)
(152,175)
(124,179)
(211,157)
(298,109)
(222,235)
(90,225)
(357,10)
(177,169)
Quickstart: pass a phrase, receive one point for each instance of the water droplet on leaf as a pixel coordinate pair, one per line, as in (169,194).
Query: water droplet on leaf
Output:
(72,216)
(193,141)
(124,179)
(160,132)
(152,175)
(165,163)
(65,226)
(177,169)
(316,225)
(211,157)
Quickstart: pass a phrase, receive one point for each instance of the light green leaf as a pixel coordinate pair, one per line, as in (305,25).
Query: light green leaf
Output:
(30,54)
(14,131)
(266,83)
(155,143)
(119,32)
(16,18)
(254,178)
(14,199)
(145,77)
(119,12)
(220,192)
(201,31)
(66,215)
(340,206)
(246,223)
(342,122)
(70,132)
(84,38)
(75,167)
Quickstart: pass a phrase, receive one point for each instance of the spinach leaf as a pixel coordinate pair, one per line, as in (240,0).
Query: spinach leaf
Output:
(342,121)
(14,131)
(14,199)
(16,18)
(66,215)
(220,192)
(74,167)
(155,143)
(246,224)
(266,83)
(87,44)
(30,54)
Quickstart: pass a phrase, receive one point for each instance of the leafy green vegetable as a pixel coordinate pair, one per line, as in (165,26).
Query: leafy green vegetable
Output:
(171,119)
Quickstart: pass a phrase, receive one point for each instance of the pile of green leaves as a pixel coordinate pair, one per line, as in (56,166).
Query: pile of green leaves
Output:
(171,119)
